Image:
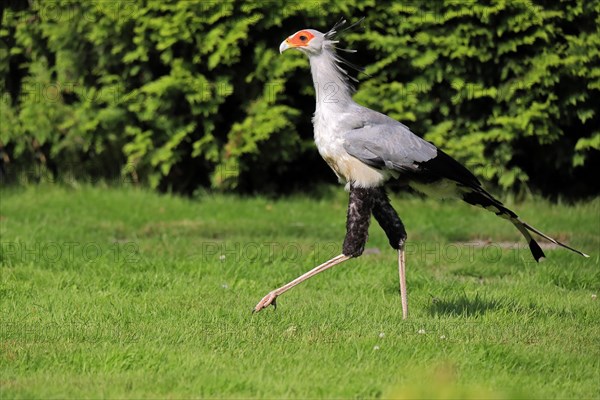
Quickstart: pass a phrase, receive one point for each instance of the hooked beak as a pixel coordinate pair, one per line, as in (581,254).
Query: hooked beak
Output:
(284,46)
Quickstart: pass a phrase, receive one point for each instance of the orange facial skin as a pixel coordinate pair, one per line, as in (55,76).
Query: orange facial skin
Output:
(300,39)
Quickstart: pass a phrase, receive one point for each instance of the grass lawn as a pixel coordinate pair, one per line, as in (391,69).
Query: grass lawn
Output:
(123,293)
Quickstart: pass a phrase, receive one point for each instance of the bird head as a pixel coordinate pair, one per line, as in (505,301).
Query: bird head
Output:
(315,43)
(308,41)
(312,42)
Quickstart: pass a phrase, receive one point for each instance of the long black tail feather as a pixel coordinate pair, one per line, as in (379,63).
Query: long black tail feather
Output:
(479,197)
(536,250)
(542,234)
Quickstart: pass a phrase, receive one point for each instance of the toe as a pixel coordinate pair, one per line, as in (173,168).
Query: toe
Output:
(266,302)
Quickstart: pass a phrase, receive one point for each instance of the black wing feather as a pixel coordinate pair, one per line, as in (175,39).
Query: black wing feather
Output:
(444,166)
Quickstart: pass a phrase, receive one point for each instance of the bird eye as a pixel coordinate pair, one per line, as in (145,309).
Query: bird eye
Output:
(303,38)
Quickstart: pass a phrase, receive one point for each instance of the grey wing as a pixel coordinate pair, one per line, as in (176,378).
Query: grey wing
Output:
(389,144)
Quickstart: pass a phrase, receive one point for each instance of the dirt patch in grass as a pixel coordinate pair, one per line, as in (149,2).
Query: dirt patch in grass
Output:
(504,244)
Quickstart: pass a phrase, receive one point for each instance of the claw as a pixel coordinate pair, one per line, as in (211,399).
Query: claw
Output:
(266,302)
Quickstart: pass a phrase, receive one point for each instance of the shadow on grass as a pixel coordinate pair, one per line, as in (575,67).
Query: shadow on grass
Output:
(464,306)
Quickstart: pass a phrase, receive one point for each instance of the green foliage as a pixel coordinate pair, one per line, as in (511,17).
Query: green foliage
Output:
(181,94)
(509,89)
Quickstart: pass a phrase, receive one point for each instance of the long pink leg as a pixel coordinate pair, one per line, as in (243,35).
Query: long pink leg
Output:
(270,298)
(402,273)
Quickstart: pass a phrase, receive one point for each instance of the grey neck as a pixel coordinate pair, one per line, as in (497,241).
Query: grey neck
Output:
(331,88)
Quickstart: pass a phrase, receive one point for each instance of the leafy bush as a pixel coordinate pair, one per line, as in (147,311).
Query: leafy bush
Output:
(181,95)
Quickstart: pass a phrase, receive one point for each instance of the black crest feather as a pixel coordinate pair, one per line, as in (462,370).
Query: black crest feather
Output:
(332,35)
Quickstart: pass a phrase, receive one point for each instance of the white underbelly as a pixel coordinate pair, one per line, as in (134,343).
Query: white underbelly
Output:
(351,170)
(347,168)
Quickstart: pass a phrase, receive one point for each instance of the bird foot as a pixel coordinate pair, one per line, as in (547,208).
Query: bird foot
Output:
(266,302)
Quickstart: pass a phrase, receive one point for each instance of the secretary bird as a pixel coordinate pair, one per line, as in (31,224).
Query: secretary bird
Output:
(365,149)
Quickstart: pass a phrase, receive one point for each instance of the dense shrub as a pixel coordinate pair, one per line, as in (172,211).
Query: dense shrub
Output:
(188,94)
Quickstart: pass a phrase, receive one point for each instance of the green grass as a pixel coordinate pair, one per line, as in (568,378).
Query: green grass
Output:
(122,293)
